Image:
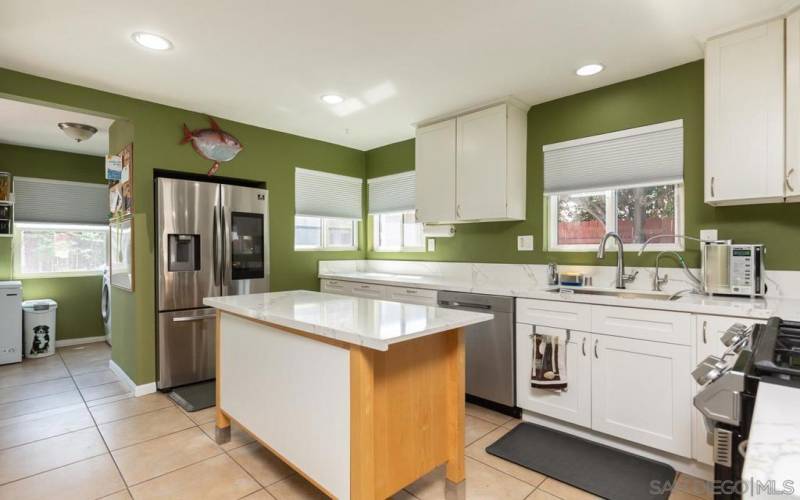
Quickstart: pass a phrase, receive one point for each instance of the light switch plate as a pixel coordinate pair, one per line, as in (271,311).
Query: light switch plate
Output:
(525,243)
(708,234)
(431,245)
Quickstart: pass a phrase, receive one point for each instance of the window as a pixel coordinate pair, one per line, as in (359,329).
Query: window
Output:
(325,233)
(59,250)
(577,222)
(397,232)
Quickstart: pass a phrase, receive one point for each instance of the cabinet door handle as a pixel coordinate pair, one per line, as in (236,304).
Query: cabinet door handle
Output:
(595,348)
(788,181)
(458,210)
(705,329)
(583,346)
(416,215)
(712,187)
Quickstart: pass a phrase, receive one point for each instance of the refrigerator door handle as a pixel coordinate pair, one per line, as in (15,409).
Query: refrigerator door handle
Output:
(216,245)
(183,319)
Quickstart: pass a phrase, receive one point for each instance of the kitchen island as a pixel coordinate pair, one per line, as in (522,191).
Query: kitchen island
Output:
(360,396)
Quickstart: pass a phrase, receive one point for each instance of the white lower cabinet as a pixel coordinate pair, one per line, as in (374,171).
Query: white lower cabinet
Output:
(573,405)
(368,290)
(641,391)
(394,293)
(336,286)
(709,343)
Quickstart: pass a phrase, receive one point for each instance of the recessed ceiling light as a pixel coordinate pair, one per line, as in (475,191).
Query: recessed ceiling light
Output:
(589,69)
(332,99)
(151,41)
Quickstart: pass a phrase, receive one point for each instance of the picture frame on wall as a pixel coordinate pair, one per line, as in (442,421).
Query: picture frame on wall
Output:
(121,260)
(120,192)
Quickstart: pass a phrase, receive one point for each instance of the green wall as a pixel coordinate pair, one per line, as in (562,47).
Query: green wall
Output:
(78,297)
(268,156)
(668,95)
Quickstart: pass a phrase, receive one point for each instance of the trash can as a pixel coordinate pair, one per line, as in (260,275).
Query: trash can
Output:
(39,324)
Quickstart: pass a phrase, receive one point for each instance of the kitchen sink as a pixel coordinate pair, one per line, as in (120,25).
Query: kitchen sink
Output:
(623,294)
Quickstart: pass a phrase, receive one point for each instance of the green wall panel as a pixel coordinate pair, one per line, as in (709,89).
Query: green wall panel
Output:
(78,297)
(673,94)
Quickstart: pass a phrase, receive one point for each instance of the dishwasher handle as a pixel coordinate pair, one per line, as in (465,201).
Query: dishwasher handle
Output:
(466,305)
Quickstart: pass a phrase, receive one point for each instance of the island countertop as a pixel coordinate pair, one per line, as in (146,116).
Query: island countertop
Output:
(372,323)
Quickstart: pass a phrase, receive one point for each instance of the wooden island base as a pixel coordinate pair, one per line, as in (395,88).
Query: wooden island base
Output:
(404,418)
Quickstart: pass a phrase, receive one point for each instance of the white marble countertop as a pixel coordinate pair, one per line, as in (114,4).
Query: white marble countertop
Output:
(758,308)
(372,323)
(773,446)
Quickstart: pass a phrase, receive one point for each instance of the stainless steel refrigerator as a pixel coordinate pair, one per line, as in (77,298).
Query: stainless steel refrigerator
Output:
(212,240)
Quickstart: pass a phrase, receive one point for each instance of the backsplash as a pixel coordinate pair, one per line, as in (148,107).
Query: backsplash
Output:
(512,278)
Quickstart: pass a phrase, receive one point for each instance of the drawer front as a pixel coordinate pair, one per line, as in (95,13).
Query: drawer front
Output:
(566,315)
(336,286)
(368,290)
(411,295)
(644,324)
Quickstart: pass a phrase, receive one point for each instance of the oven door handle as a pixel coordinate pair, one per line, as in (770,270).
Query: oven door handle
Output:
(184,319)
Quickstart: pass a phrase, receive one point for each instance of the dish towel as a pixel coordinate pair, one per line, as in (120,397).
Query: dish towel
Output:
(549,368)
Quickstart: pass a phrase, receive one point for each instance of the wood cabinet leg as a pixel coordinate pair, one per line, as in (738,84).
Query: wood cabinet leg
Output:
(456,491)
(455,418)
(222,429)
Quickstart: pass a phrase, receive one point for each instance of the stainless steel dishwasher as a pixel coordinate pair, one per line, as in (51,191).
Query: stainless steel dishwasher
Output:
(489,346)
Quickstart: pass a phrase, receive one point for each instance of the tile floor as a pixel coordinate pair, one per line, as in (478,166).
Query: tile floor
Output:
(70,430)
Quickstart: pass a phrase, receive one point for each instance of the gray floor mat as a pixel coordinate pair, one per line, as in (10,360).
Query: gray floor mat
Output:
(195,397)
(598,469)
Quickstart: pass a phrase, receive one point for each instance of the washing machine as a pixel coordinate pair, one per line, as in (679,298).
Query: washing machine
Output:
(105,304)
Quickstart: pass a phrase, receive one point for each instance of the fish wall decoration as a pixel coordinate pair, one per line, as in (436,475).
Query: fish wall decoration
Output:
(212,144)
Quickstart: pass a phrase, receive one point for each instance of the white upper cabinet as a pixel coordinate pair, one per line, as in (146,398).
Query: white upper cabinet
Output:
(793,107)
(744,116)
(472,168)
(435,159)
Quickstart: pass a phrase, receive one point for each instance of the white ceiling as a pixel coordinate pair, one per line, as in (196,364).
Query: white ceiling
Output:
(266,62)
(27,124)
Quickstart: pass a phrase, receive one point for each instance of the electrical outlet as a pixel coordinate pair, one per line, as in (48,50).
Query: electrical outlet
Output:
(708,234)
(431,245)
(525,243)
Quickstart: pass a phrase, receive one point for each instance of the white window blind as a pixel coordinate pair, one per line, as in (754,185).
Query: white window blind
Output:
(639,156)
(392,193)
(47,200)
(320,194)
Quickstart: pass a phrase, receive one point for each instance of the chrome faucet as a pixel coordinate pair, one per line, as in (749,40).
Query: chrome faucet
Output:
(622,278)
(658,282)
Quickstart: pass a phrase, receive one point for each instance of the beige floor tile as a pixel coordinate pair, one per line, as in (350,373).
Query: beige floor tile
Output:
(483,482)
(32,370)
(110,399)
(121,433)
(486,414)
(158,456)
(295,488)
(259,495)
(475,428)
(541,495)
(478,451)
(239,437)
(682,495)
(33,429)
(79,367)
(565,491)
(262,464)
(402,495)
(92,478)
(33,458)
(215,478)
(120,495)
(36,390)
(34,405)
(201,417)
(96,378)
(695,486)
(104,391)
(130,407)
(512,423)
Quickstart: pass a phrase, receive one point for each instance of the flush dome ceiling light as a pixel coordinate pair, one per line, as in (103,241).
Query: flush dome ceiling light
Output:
(77,131)
(589,69)
(151,41)
(332,99)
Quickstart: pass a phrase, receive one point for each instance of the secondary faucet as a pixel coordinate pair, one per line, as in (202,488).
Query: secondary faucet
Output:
(622,278)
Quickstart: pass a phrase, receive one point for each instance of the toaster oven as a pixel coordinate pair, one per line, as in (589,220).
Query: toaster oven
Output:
(733,269)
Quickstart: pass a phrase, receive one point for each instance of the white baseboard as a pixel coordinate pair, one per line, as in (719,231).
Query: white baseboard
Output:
(83,340)
(138,390)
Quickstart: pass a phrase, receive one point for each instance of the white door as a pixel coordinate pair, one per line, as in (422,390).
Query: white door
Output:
(793,107)
(435,164)
(573,405)
(481,164)
(641,391)
(744,116)
(709,343)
